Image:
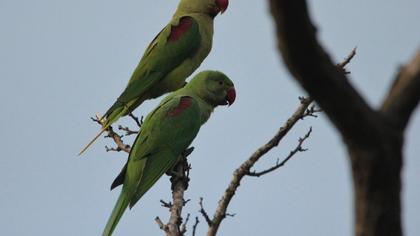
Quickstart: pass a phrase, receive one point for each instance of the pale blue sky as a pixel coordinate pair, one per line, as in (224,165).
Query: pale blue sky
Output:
(63,61)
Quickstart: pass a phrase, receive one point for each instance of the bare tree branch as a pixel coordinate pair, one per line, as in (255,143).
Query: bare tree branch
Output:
(161,225)
(116,137)
(346,61)
(404,94)
(310,110)
(183,228)
(374,138)
(166,204)
(179,180)
(278,164)
(127,130)
(179,184)
(239,173)
(195,226)
(204,213)
(303,111)
(138,121)
(313,68)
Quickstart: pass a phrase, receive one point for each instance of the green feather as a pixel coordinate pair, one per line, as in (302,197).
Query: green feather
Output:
(163,68)
(166,132)
(158,61)
(116,214)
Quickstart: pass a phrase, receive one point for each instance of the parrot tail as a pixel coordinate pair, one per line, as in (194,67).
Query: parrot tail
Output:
(116,214)
(110,117)
(92,141)
(106,122)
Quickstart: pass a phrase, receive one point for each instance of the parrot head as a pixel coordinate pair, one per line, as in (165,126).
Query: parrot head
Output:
(214,87)
(210,7)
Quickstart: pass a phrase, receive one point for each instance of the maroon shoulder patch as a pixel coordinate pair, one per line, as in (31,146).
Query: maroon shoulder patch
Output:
(184,103)
(177,31)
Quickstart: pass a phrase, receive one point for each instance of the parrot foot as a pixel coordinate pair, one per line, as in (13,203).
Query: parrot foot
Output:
(187,152)
(180,173)
(182,159)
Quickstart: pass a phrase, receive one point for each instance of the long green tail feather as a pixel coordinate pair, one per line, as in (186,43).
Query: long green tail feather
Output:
(116,214)
(92,141)
(113,117)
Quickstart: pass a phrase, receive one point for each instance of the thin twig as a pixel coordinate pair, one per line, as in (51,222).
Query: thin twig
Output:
(127,130)
(204,213)
(112,149)
(324,81)
(138,121)
(179,183)
(116,137)
(161,225)
(374,138)
(278,164)
(230,214)
(183,229)
(195,226)
(245,167)
(166,204)
(240,172)
(311,111)
(347,60)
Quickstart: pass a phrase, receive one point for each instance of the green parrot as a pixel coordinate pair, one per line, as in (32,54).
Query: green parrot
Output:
(166,132)
(173,55)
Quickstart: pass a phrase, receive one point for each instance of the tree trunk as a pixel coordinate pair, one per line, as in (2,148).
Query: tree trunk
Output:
(377,184)
(374,137)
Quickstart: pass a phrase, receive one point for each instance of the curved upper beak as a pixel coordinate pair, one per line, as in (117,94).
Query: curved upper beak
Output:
(231,95)
(222,5)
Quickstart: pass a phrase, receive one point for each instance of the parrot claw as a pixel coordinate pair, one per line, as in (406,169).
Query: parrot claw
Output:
(187,152)
(171,172)
(182,158)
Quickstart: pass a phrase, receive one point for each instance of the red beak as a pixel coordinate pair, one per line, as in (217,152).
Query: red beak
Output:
(231,95)
(222,5)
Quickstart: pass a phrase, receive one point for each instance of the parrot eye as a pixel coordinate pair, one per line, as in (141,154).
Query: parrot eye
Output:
(221,82)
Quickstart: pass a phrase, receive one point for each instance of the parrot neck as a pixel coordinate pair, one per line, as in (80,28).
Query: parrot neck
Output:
(206,109)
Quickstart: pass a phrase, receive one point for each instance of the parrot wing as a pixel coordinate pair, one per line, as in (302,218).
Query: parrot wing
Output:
(177,42)
(171,47)
(165,134)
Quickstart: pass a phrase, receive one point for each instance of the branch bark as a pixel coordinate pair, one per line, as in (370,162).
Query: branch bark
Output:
(313,69)
(179,181)
(279,164)
(244,169)
(116,137)
(179,184)
(404,94)
(374,138)
(304,110)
